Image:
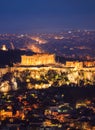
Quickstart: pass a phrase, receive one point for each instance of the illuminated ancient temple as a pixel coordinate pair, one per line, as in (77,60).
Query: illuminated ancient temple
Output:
(38,59)
(4,48)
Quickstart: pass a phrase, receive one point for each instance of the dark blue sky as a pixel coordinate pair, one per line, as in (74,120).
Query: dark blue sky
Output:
(25,16)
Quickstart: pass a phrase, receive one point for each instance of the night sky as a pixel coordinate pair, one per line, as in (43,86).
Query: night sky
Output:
(26,16)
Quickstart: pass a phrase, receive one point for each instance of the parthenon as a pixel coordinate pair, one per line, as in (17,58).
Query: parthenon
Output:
(37,59)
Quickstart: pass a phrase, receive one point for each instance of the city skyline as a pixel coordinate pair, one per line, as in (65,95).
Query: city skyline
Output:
(46,16)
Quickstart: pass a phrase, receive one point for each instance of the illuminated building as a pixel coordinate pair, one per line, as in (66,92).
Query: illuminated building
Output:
(38,59)
(4,48)
(76,64)
(89,63)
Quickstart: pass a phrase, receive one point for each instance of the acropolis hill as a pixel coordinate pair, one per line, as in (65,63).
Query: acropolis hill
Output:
(40,71)
(48,61)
